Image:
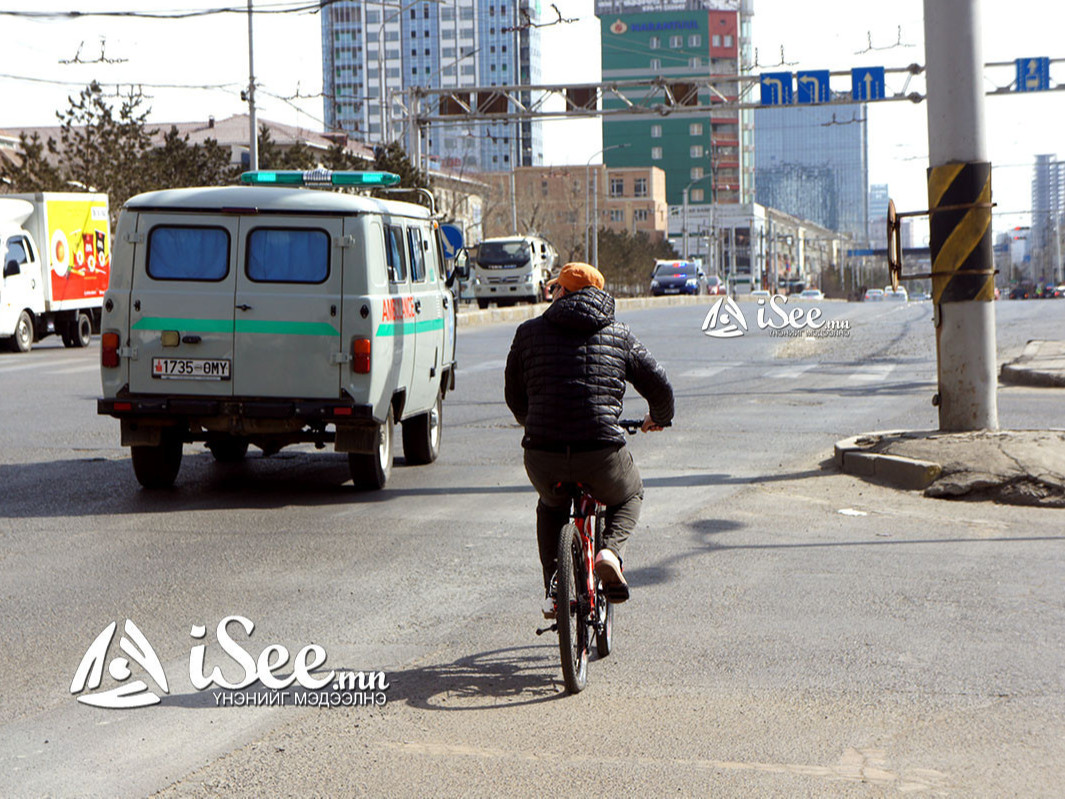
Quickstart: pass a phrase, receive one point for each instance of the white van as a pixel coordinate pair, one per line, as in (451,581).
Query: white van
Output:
(271,315)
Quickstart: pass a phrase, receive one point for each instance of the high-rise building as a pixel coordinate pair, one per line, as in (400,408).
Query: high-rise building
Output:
(812,162)
(374,50)
(710,154)
(1048,198)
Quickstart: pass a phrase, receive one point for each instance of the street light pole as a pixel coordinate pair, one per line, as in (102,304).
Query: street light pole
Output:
(253,146)
(684,219)
(587,182)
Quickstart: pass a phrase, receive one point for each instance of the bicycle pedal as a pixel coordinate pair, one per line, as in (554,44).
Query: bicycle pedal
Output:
(552,629)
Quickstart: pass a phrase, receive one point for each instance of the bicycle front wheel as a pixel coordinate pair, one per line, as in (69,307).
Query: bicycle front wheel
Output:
(572,624)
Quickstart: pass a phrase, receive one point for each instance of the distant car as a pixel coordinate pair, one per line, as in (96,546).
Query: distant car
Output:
(714,285)
(873,295)
(919,296)
(1022,291)
(812,294)
(759,293)
(678,277)
(895,295)
(1052,292)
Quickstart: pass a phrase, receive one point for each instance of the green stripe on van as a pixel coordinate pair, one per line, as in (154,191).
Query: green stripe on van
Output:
(392,328)
(241,326)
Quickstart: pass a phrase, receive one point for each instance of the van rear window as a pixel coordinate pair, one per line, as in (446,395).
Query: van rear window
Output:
(188,253)
(288,256)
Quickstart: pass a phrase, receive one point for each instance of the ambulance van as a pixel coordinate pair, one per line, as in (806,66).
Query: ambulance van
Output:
(275,314)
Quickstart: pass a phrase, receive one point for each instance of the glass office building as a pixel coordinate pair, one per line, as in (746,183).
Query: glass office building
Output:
(812,162)
(374,50)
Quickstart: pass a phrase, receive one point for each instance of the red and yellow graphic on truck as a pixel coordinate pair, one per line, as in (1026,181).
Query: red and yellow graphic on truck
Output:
(79,249)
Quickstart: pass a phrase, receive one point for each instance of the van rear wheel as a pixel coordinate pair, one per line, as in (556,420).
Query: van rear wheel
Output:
(371,470)
(421,434)
(156,466)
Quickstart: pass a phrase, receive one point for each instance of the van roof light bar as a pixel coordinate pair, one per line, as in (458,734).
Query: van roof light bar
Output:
(318,177)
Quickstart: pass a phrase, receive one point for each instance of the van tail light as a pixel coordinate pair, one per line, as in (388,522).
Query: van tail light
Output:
(109,350)
(360,356)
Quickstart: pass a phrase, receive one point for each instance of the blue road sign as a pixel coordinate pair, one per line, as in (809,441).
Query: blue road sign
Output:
(776,88)
(867,83)
(1033,74)
(452,240)
(812,86)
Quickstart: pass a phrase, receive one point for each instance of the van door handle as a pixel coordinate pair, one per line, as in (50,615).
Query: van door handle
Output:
(417,306)
(243,307)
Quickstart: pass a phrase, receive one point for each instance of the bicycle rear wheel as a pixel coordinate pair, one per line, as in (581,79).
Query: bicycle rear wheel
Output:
(571,620)
(604,629)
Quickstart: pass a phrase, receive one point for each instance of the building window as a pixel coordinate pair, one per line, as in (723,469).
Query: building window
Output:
(617,215)
(639,187)
(654,43)
(695,40)
(617,187)
(640,215)
(656,153)
(695,129)
(728,40)
(695,62)
(697,195)
(656,131)
(544,188)
(716,40)
(696,151)
(656,64)
(696,172)
(676,41)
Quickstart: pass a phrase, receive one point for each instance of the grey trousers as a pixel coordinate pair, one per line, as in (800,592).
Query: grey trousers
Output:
(608,474)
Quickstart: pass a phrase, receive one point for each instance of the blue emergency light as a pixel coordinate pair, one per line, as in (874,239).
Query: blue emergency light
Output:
(318,177)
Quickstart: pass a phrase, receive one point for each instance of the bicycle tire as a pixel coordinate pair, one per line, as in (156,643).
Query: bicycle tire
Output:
(604,630)
(572,626)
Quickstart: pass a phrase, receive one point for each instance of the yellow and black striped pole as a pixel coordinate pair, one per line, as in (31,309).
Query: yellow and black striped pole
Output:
(959,202)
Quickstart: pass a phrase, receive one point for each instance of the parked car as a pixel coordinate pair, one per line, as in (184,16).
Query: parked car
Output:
(895,295)
(1022,291)
(1051,292)
(678,277)
(873,295)
(920,296)
(760,294)
(715,285)
(812,294)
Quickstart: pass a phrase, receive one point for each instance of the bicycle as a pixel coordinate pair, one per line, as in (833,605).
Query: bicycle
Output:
(583,611)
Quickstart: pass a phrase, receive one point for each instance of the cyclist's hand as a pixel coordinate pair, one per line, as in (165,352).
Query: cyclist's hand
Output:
(649,424)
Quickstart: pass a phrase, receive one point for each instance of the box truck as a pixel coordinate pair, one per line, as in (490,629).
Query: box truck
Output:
(56,257)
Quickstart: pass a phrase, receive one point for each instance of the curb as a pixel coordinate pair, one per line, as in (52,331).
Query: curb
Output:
(909,474)
(1020,372)
(491,316)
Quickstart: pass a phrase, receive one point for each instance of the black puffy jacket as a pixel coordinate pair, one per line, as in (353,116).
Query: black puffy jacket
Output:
(566,373)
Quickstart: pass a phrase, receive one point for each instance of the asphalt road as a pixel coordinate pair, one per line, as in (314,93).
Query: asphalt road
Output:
(792,631)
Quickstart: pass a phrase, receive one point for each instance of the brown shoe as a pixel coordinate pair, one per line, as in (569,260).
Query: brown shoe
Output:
(608,569)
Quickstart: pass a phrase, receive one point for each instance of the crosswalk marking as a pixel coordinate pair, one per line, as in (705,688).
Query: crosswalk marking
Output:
(38,363)
(871,373)
(789,372)
(482,367)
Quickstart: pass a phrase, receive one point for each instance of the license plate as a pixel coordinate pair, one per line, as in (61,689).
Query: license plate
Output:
(671,291)
(190,368)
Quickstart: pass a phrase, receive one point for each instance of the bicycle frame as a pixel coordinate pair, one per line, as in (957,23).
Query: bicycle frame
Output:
(586,510)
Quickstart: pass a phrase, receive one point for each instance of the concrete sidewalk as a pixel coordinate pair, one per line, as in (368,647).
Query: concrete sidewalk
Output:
(1018,467)
(517,313)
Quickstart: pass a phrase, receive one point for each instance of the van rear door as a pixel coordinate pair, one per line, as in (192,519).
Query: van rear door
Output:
(288,291)
(181,305)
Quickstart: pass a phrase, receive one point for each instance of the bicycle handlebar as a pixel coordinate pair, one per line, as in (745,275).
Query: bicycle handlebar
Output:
(633,426)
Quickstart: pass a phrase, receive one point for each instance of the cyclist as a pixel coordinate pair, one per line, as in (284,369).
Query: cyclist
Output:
(565,381)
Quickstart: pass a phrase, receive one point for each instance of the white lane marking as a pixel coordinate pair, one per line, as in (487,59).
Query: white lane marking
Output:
(708,371)
(92,367)
(789,372)
(481,367)
(41,363)
(873,373)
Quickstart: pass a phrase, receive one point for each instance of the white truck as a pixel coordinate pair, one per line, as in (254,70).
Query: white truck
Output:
(272,314)
(56,256)
(511,269)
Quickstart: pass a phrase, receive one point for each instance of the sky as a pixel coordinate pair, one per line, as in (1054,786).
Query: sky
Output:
(209,56)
